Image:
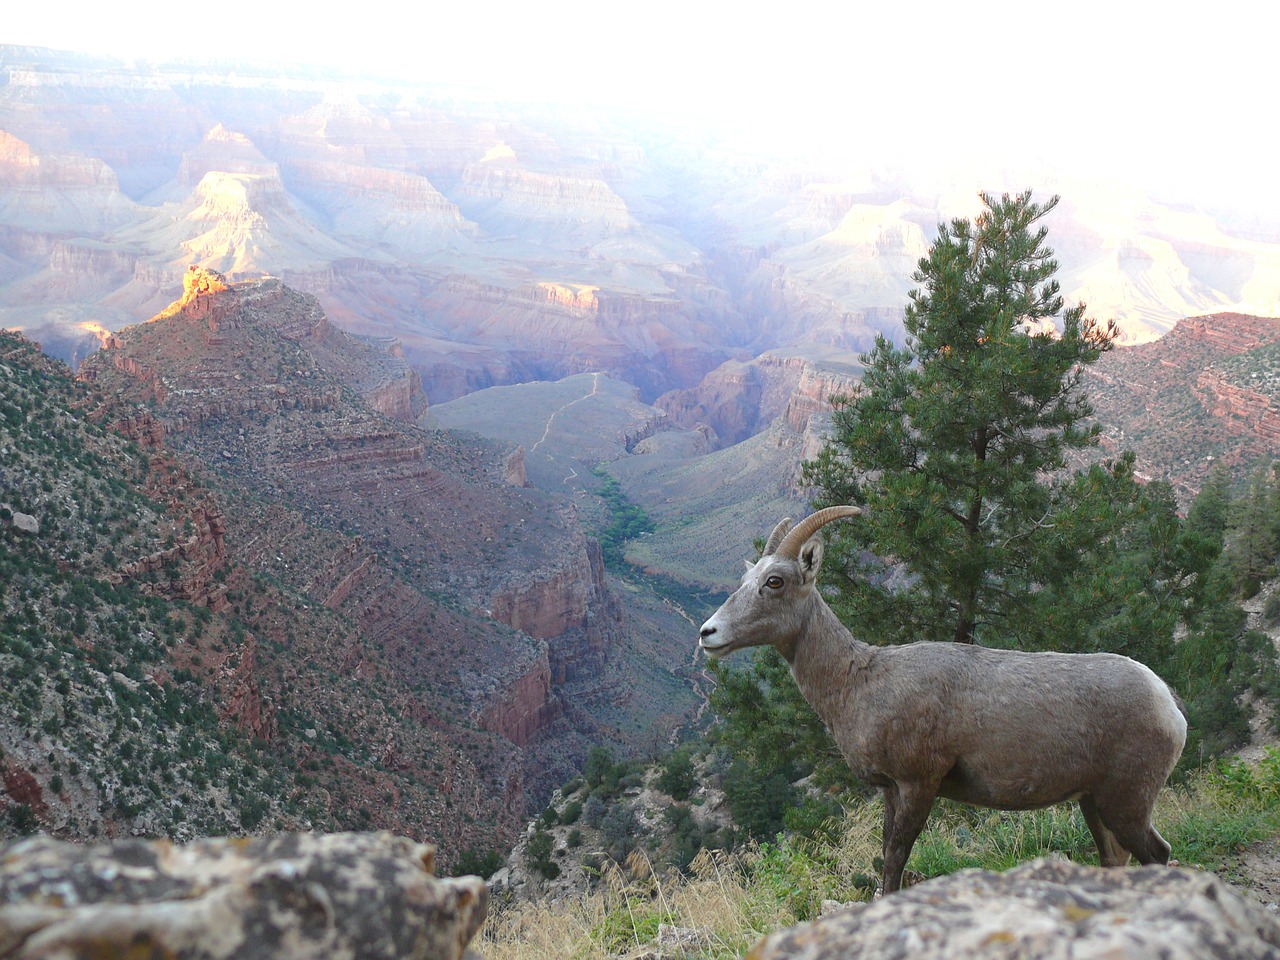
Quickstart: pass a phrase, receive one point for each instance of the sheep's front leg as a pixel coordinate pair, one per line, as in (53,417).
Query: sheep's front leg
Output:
(906,810)
(890,794)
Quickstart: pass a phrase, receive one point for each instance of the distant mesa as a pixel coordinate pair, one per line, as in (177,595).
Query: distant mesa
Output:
(223,151)
(499,151)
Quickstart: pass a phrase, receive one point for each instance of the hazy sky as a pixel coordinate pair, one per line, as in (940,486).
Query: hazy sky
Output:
(1182,102)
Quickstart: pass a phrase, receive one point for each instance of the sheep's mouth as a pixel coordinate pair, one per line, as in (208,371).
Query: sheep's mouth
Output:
(714,651)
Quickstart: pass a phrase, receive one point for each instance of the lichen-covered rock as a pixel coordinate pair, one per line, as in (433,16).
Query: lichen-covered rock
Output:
(332,896)
(1045,910)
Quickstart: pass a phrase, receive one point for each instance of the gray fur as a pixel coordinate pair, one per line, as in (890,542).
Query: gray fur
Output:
(996,728)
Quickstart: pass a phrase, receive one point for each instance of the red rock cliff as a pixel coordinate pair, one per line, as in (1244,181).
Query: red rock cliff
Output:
(526,707)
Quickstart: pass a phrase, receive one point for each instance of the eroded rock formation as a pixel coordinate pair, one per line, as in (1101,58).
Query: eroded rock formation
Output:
(738,400)
(1249,413)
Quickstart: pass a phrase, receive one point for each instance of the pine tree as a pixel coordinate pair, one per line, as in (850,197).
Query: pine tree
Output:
(954,442)
(1251,535)
(1209,510)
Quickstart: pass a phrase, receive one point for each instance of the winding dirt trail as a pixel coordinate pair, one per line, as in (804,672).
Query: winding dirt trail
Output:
(701,680)
(595,388)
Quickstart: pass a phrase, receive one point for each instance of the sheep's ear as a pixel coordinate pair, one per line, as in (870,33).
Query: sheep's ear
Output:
(810,559)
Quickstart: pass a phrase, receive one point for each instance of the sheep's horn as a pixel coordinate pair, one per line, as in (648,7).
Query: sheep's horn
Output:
(793,541)
(775,538)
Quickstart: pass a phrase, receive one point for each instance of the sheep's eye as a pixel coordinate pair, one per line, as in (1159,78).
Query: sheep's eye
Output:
(773,582)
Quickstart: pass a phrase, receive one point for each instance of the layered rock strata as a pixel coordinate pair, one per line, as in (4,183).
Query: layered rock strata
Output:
(253,380)
(1208,391)
(738,400)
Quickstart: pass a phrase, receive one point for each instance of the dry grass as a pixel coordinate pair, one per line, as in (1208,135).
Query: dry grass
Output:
(731,899)
(717,899)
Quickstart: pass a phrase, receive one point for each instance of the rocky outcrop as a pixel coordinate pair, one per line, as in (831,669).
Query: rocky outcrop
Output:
(1230,332)
(142,427)
(547,603)
(812,395)
(526,707)
(370,895)
(513,473)
(577,297)
(1044,909)
(217,386)
(738,400)
(394,396)
(342,574)
(245,706)
(199,300)
(190,566)
(1246,412)
(1205,393)
(24,522)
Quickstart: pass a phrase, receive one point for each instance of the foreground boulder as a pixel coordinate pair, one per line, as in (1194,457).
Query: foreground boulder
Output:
(354,895)
(1047,909)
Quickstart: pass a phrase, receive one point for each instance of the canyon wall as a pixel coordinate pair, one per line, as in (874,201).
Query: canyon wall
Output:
(527,707)
(1246,412)
(1207,392)
(739,400)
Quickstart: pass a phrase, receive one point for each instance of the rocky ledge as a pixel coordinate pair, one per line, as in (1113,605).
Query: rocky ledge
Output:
(1046,909)
(365,895)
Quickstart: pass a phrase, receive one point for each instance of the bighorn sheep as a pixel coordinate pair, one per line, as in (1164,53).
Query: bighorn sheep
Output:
(995,728)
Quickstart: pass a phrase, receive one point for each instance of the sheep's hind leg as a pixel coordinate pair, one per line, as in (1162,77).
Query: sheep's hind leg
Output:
(1145,843)
(1110,852)
(1129,820)
(906,809)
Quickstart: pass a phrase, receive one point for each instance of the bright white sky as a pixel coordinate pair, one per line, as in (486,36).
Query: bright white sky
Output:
(1183,103)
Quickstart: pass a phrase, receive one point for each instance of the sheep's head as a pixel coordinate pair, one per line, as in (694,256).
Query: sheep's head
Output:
(770,605)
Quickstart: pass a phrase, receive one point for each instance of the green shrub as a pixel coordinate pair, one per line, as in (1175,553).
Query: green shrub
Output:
(537,853)
(572,810)
(471,862)
(1271,609)
(677,777)
(599,766)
